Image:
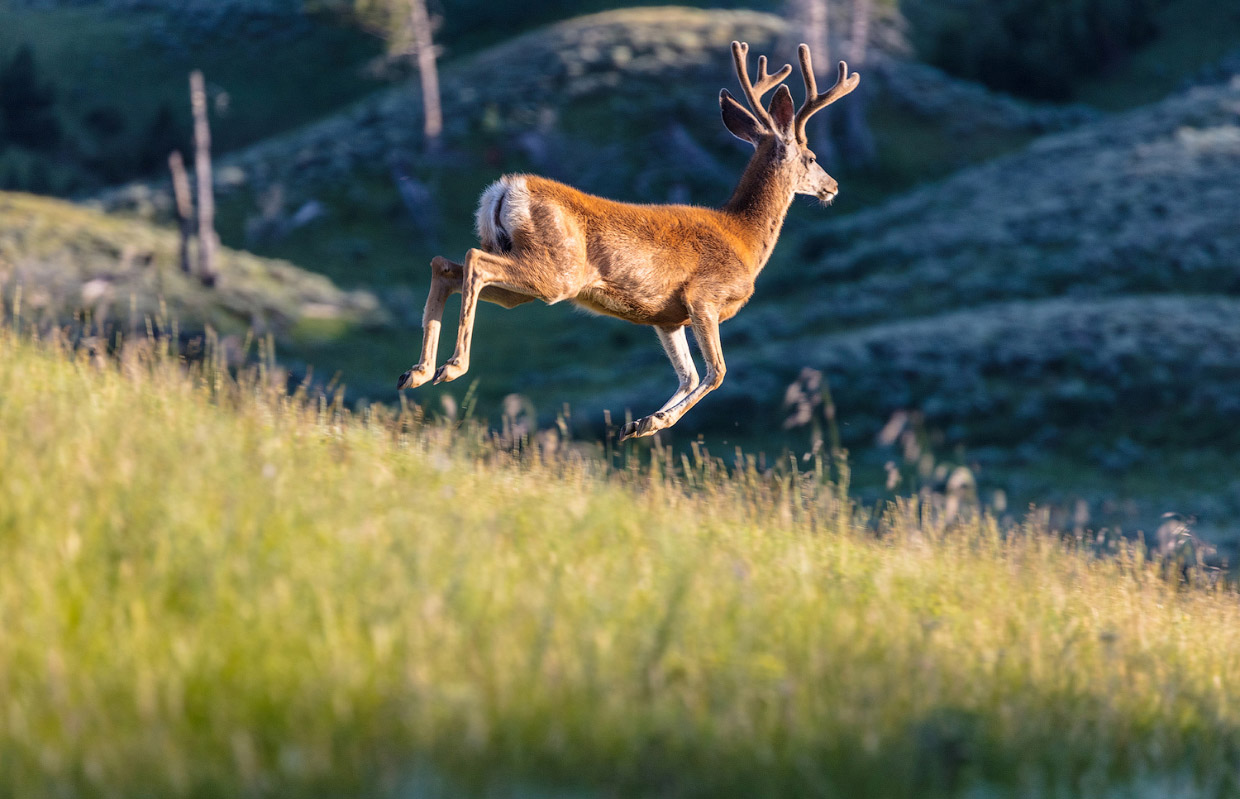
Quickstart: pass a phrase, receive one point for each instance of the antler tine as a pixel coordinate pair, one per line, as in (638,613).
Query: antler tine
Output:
(807,73)
(753,92)
(815,102)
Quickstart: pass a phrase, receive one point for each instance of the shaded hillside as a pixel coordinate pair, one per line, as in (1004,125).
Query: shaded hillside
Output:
(643,69)
(66,259)
(486,94)
(117,74)
(1154,369)
(1142,202)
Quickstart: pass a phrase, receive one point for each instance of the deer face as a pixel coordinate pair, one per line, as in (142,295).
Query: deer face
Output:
(778,132)
(810,178)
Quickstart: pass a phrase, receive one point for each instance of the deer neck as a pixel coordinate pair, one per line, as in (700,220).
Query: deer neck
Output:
(760,202)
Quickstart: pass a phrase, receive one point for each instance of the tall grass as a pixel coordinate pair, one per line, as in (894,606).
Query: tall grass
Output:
(209,588)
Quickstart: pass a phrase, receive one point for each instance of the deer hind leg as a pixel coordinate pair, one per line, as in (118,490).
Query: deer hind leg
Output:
(481,270)
(446,278)
(706,331)
(676,345)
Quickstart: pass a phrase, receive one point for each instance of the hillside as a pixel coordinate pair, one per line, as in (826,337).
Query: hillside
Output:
(645,68)
(1140,202)
(212,589)
(64,259)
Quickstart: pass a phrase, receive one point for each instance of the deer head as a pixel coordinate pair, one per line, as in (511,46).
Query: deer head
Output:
(778,134)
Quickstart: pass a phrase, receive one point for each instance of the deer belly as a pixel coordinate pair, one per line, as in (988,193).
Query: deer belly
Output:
(601,301)
(623,305)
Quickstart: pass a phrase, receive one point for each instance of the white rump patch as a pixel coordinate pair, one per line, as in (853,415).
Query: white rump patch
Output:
(503,209)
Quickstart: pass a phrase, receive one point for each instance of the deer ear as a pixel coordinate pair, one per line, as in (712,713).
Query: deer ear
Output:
(739,122)
(781,109)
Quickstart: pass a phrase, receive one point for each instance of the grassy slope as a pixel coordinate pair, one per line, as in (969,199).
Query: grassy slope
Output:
(255,596)
(64,258)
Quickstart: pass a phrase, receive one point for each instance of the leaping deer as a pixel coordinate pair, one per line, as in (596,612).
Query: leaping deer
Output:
(667,266)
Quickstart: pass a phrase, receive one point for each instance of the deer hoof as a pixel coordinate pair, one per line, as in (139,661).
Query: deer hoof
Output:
(450,371)
(413,378)
(647,426)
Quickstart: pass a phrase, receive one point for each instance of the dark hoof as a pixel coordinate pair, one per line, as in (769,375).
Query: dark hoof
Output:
(450,371)
(647,426)
(413,378)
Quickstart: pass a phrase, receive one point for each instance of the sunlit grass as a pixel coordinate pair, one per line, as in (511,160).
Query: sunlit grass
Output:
(208,588)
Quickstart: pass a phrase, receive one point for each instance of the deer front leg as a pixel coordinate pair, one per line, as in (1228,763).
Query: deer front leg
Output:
(706,331)
(445,281)
(676,345)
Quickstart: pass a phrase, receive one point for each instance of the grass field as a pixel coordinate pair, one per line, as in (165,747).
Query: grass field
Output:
(60,260)
(208,588)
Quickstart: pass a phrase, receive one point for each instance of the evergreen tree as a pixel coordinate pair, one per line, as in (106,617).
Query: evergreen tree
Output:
(39,178)
(164,134)
(27,106)
(12,180)
(1036,48)
(105,122)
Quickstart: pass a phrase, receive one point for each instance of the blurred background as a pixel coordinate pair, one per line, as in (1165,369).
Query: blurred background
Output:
(1030,280)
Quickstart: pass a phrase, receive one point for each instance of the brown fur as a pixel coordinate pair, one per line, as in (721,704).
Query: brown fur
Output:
(667,266)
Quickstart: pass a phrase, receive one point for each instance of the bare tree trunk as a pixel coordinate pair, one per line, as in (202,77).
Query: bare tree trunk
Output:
(817,33)
(859,142)
(185,206)
(859,36)
(208,243)
(424,50)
